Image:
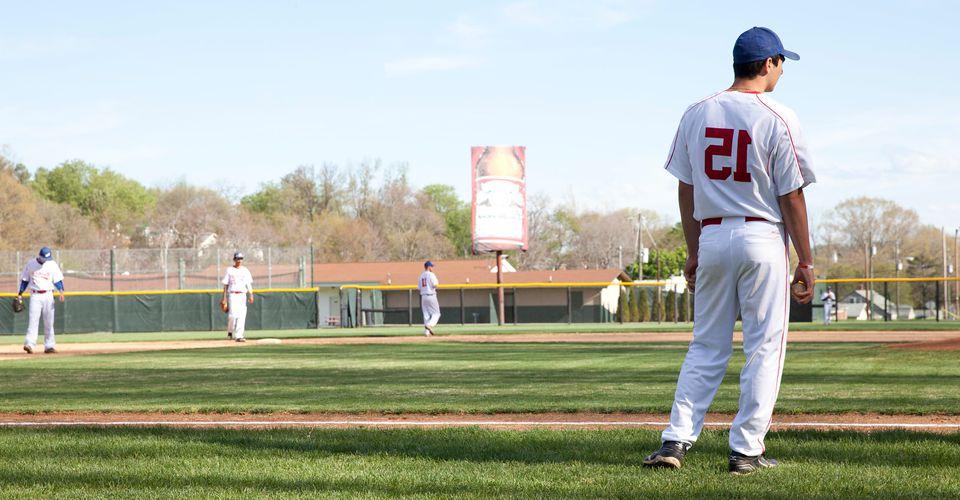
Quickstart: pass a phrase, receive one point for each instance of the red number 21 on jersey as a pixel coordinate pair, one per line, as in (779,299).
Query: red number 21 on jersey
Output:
(725,148)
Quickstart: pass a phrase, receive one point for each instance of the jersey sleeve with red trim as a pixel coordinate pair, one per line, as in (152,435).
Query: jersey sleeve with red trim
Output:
(791,169)
(678,163)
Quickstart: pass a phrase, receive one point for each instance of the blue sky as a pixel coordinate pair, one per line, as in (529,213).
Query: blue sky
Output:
(239,93)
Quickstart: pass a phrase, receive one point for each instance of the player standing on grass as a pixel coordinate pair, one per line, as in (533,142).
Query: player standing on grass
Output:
(41,275)
(429,306)
(237,292)
(742,164)
(828,298)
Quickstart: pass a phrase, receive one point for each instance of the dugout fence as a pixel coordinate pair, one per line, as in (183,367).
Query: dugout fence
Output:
(157,311)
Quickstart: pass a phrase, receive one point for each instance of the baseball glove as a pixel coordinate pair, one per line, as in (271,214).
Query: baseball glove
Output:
(224,306)
(17,304)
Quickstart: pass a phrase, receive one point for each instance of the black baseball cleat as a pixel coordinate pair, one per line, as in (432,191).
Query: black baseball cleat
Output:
(28,349)
(670,455)
(741,464)
(49,350)
(229,335)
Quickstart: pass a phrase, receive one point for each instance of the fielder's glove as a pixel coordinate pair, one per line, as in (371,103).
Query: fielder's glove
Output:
(224,306)
(17,304)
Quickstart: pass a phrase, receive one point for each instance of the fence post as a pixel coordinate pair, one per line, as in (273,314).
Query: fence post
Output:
(181,273)
(269,267)
(886,301)
(409,307)
(569,307)
(359,314)
(463,311)
(316,295)
(302,272)
(113,268)
(516,321)
(937,300)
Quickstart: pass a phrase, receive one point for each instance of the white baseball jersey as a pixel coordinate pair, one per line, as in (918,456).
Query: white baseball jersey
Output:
(41,276)
(238,279)
(740,151)
(428,283)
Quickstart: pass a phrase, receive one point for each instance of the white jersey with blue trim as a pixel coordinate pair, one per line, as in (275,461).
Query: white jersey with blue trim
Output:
(41,277)
(428,283)
(740,151)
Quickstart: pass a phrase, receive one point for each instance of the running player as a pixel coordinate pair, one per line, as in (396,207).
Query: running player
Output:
(41,276)
(742,164)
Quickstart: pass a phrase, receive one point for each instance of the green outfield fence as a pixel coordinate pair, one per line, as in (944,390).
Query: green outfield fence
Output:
(930,299)
(152,311)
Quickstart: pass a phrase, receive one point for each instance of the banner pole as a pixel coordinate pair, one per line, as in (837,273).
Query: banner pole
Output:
(500,318)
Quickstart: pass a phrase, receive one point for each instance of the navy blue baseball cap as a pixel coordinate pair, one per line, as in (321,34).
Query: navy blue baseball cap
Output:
(757,44)
(45,253)
(427,264)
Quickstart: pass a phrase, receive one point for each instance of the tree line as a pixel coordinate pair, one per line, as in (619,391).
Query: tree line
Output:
(369,211)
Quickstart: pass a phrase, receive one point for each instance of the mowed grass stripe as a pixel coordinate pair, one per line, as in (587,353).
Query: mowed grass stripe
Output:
(466,378)
(461,463)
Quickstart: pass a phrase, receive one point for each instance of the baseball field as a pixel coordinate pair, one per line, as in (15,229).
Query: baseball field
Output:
(530,411)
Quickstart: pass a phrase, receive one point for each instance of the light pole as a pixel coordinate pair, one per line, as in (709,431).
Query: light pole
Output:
(956,267)
(897,266)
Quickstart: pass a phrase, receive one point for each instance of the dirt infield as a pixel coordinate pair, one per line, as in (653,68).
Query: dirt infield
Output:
(519,421)
(938,340)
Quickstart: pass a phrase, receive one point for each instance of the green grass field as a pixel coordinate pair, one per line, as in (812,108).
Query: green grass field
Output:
(390,331)
(466,462)
(460,463)
(465,377)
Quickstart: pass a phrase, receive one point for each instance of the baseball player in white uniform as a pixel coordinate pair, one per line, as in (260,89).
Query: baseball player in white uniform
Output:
(237,293)
(742,164)
(427,285)
(828,298)
(41,276)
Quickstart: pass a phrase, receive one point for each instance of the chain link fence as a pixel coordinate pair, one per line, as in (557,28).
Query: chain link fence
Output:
(141,269)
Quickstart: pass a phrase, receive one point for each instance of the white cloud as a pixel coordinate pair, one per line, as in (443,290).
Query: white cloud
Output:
(465,30)
(414,65)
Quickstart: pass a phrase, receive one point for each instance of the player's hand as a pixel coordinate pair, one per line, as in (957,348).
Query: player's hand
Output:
(690,272)
(806,276)
(250,299)
(62,298)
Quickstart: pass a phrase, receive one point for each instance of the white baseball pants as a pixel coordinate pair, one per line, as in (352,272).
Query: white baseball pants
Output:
(742,269)
(41,304)
(431,310)
(237,315)
(827,312)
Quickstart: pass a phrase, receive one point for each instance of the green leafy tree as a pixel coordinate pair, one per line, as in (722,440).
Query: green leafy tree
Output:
(114,202)
(685,309)
(658,311)
(634,307)
(643,304)
(623,309)
(455,214)
(669,305)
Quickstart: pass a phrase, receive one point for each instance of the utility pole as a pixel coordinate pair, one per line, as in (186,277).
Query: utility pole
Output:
(956,269)
(896,267)
(639,246)
(943,252)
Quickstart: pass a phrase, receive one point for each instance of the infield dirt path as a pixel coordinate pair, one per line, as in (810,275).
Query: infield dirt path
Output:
(912,339)
(515,421)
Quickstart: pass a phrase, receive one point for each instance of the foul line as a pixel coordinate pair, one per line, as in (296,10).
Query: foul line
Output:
(446,423)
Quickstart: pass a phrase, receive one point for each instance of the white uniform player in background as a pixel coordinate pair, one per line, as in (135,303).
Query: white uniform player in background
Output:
(427,285)
(742,164)
(41,276)
(237,293)
(829,299)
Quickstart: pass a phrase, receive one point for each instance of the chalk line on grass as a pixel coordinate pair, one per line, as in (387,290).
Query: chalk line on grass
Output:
(452,423)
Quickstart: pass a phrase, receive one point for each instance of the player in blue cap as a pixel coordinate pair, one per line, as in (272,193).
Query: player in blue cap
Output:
(41,276)
(742,163)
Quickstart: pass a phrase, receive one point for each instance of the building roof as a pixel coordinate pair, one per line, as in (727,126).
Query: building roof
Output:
(451,272)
